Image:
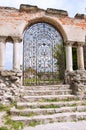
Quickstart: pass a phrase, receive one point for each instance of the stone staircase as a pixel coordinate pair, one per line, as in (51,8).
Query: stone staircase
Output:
(48,104)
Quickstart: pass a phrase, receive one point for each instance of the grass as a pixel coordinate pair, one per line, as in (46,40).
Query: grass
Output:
(34,123)
(84,103)
(50,106)
(13,125)
(27,114)
(51,121)
(6,107)
(3,107)
(82,118)
(10,125)
(57,100)
(49,100)
(72,105)
(3,128)
(21,108)
(34,81)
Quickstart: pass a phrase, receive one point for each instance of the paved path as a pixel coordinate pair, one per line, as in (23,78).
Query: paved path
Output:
(60,126)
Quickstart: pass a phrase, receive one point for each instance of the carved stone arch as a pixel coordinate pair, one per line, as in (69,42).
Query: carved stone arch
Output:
(56,24)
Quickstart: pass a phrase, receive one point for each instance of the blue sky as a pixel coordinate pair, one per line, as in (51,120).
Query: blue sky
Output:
(72,6)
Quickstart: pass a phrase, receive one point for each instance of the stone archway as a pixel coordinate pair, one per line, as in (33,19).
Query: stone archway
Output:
(13,23)
(40,64)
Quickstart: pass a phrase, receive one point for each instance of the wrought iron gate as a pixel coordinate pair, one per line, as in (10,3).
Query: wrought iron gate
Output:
(39,63)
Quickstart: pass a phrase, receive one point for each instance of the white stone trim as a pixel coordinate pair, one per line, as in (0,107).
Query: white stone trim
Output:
(16,56)
(80,57)
(69,62)
(2,54)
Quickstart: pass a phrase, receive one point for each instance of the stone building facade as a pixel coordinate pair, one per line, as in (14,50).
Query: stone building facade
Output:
(13,23)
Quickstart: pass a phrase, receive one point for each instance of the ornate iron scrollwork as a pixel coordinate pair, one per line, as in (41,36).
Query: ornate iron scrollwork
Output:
(39,64)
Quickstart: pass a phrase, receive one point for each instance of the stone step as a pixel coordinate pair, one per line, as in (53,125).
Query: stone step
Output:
(49,98)
(47,92)
(48,87)
(22,105)
(43,111)
(43,119)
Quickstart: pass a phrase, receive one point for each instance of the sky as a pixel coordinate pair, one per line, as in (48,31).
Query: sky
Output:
(72,6)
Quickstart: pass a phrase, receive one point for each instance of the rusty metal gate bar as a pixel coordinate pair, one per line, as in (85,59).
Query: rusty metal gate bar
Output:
(39,65)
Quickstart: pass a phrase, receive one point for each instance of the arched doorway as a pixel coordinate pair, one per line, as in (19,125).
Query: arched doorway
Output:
(40,65)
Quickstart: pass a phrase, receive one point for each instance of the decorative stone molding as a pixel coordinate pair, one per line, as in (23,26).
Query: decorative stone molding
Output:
(3,39)
(74,43)
(69,43)
(77,81)
(81,44)
(10,86)
(17,39)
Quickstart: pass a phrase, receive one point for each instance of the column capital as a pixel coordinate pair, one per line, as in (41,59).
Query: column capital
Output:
(2,39)
(74,43)
(69,43)
(17,39)
(81,44)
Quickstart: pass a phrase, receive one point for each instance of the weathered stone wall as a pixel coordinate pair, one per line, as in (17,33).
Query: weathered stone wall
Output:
(10,86)
(77,81)
(13,22)
(85,56)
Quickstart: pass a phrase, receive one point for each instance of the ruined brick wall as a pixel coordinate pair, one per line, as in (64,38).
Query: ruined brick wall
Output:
(13,22)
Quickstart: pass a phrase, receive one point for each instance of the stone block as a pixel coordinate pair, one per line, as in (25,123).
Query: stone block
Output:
(7,73)
(19,74)
(80,16)
(10,83)
(77,80)
(28,8)
(13,78)
(57,12)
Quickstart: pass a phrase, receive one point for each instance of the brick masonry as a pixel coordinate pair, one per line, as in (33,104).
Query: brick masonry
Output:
(13,22)
(16,21)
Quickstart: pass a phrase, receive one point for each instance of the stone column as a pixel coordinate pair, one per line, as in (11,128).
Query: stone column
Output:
(69,62)
(16,54)
(2,53)
(80,57)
